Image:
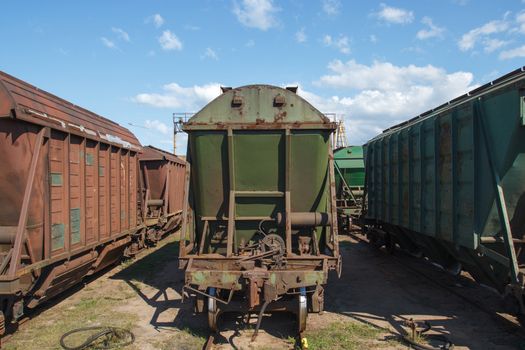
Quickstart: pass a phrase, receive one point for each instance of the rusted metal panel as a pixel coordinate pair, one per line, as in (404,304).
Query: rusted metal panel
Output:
(66,175)
(163,179)
(24,101)
(256,152)
(465,206)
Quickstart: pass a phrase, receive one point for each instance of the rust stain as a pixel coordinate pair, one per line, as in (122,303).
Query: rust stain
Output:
(280,116)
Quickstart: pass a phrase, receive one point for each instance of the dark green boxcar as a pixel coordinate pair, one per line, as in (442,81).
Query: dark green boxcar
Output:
(260,204)
(349,184)
(451,184)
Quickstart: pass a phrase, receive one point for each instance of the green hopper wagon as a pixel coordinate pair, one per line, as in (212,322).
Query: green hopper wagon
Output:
(260,209)
(450,184)
(349,183)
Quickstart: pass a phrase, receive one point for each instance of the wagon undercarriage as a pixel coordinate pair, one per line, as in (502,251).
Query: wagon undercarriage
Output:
(248,284)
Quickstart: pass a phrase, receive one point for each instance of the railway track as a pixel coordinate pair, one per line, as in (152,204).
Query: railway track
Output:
(507,324)
(10,331)
(208,345)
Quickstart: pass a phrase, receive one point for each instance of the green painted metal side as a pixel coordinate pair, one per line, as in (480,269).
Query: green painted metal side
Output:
(259,165)
(272,150)
(350,162)
(434,181)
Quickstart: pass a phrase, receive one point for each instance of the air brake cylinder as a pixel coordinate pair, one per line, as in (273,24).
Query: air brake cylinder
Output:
(304,219)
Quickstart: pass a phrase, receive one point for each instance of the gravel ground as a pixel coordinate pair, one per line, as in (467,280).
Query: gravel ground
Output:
(144,295)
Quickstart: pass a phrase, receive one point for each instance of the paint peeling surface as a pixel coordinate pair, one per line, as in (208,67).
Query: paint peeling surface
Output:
(449,184)
(261,201)
(68,210)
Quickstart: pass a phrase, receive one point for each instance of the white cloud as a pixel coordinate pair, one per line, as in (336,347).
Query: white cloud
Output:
(433,30)
(300,36)
(373,97)
(210,53)
(382,94)
(469,39)
(342,43)
(514,53)
(491,45)
(495,35)
(373,39)
(108,43)
(169,41)
(158,20)
(520,20)
(160,134)
(183,99)
(192,27)
(395,15)
(331,7)
(258,14)
(250,43)
(121,34)
(381,75)
(157,125)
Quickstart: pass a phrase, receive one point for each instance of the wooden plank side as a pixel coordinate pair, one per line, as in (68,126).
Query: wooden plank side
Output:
(75,190)
(114,191)
(90,192)
(133,185)
(57,192)
(103,209)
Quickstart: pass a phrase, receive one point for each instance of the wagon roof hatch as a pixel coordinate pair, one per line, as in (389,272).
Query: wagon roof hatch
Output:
(259,106)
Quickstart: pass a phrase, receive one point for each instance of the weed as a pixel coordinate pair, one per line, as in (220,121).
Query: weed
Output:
(345,335)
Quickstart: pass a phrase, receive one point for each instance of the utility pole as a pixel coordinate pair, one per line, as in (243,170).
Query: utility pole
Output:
(178,121)
(339,136)
(340,133)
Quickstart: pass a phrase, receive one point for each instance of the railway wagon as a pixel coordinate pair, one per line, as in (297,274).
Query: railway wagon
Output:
(68,186)
(349,183)
(162,182)
(259,219)
(450,184)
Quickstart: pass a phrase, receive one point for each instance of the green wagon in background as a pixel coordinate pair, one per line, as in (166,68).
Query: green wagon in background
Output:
(450,184)
(349,183)
(260,210)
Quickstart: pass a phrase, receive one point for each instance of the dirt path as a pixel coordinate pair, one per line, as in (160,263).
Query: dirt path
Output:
(373,288)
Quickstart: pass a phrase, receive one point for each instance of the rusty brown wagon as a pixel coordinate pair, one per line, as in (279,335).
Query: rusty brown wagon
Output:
(69,187)
(69,196)
(162,181)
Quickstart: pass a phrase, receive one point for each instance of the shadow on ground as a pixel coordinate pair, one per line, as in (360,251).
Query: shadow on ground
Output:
(158,281)
(376,289)
(373,289)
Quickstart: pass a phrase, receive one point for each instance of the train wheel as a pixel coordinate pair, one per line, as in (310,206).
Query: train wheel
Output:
(302,313)
(374,240)
(213,312)
(390,244)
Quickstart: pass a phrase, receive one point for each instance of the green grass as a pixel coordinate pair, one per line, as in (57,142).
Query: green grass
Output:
(185,339)
(146,268)
(44,332)
(100,306)
(345,335)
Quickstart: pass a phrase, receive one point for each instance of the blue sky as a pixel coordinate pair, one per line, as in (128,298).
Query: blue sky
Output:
(373,63)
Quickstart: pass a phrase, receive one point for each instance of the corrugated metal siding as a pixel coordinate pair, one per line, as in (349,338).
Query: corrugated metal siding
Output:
(79,199)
